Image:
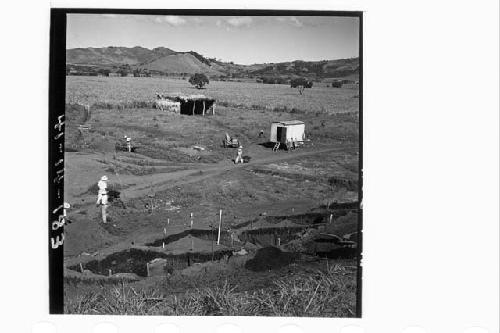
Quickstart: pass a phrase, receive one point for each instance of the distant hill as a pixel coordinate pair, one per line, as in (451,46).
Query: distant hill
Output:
(324,68)
(115,55)
(166,61)
(179,63)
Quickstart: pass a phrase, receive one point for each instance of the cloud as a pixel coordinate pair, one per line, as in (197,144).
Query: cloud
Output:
(239,21)
(296,21)
(109,15)
(292,21)
(170,20)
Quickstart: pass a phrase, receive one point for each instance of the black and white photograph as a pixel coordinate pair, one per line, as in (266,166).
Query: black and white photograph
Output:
(250,166)
(212,164)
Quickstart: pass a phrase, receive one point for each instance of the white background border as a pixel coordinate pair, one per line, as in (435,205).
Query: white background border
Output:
(431,168)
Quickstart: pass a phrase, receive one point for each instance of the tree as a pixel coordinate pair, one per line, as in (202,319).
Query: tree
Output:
(300,84)
(104,72)
(199,80)
(123,72)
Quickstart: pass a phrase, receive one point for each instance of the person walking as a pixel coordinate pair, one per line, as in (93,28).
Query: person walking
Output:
(239,158)
(102,196)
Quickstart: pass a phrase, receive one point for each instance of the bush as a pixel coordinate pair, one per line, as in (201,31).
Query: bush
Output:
(301,82)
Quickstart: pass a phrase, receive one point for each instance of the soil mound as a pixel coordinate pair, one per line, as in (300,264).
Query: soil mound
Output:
(269,258)
(190,243)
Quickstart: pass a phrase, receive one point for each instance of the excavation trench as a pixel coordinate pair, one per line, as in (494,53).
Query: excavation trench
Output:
(260,237)
(271,236)
(306,219)
(135,261)
(205,234)
(199,245)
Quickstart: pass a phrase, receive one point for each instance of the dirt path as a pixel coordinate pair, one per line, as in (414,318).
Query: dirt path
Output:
(140,186)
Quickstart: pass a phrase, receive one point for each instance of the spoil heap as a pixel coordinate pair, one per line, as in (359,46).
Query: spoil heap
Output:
(269,258)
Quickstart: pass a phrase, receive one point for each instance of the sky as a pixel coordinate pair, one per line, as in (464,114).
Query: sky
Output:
(241,39)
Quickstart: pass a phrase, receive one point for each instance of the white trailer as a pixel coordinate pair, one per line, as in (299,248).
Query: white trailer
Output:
(287,131)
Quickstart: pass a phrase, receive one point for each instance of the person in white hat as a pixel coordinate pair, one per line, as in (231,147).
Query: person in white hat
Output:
(129,144)
(102,196)
(239,158)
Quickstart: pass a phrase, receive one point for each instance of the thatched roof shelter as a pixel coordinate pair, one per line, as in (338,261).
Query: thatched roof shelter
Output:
(193,104)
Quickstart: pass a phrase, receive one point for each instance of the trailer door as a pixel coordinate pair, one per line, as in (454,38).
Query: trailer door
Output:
(281,134)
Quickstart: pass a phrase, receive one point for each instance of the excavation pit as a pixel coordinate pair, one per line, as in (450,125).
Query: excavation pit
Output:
(271,236)
(135,261)
(205,234)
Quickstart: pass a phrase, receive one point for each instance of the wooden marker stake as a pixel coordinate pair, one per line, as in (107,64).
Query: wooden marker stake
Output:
(81,268)
(147,269)
(191,220)
(331,216)
(109,272)
(220,222)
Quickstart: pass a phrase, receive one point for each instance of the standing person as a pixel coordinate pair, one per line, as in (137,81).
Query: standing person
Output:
(129,144)
(239,158)
(102,196)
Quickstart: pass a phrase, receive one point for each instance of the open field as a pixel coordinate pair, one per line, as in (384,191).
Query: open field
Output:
(121,91)
(288,217)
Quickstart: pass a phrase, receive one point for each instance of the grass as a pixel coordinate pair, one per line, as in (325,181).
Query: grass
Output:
(123,106)
(123,93)
(328,293)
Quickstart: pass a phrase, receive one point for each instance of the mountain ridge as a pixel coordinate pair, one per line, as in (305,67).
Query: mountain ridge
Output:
(167,61)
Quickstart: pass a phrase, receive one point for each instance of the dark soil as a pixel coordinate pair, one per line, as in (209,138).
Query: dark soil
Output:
(269,258)
(134,261)
(270,236)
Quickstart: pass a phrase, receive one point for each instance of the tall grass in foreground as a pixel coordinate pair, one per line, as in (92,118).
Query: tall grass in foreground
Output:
(321,294)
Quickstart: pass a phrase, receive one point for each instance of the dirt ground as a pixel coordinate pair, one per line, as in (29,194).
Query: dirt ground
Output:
(165,181)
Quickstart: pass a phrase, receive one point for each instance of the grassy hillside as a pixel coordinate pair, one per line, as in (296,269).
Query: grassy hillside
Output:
(167,61)
(179,63)
(115,55)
